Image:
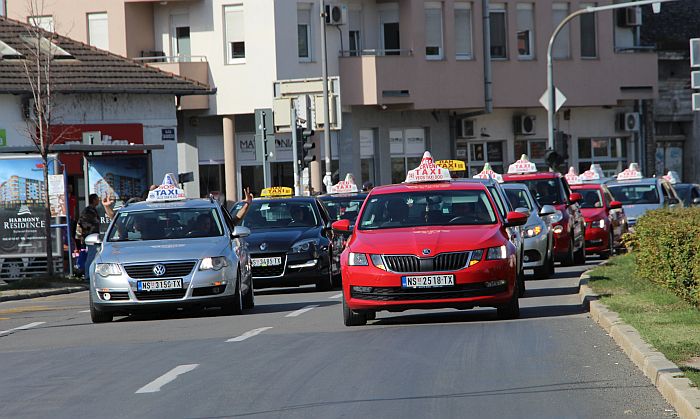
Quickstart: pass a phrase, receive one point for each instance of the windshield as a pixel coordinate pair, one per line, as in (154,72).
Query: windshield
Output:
(546,191)
(635,194)
(429,208)
(683,192)
(518,198)
(164,224)
(591,198)
(281,214)
(344,208)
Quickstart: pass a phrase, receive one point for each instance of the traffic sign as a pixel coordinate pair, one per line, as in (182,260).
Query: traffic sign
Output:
(559,99)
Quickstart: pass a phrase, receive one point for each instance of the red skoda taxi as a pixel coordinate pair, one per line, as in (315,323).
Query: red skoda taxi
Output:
(429,243)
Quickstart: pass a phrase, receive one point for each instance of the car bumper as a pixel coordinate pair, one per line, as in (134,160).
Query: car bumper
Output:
(297,269)
(470,289)
(536,249)
(597,240)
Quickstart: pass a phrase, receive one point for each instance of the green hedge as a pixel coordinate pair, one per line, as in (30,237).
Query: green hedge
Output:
(667,243)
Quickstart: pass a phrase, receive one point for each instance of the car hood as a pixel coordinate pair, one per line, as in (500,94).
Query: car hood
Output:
(438,239)
(163,250)
(280,239)
(637,210)
(593,213)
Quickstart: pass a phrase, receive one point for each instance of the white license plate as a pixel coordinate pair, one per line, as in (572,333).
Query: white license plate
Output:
(266,261)
(160,285)
(427,281)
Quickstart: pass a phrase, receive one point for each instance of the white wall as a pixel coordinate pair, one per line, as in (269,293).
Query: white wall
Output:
(12,122)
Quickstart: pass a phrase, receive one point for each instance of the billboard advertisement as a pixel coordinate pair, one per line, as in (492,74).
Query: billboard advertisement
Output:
(22,206)
(122,177)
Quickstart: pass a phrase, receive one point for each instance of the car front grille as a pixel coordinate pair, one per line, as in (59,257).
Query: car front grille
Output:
(160,295)
(443,293)
(441,262)
(269,271)
(172,269)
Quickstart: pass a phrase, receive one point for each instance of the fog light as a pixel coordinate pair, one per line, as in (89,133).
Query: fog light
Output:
(491,284)
(107,296)
(363,290)
(558,229)
(215,290)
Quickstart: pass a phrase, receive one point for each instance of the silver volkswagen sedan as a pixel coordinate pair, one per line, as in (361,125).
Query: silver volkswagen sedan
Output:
(170,253)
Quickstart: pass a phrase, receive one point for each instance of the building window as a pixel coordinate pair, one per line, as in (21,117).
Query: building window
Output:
(389,36)
(43,22)
(433,30)
(3,11)
(355,31)
(98,34)
(534,148)
(406,147)
(463,31)
(610,153)
(367,155)
(478,153)
(561,47)
(589,49)
(526,31)
(497,17)
(235,34)
(304,31)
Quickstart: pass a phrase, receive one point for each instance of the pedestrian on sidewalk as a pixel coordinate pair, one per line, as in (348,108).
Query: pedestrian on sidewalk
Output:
(89,223)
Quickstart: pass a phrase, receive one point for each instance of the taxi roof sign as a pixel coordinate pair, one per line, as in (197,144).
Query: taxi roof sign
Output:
(277,191)
(593,174)
(630,173)
(572,178)
(427,171)
(672,177)
(345,186)
(524,165)
(167,191)
(452,165)
(488,173)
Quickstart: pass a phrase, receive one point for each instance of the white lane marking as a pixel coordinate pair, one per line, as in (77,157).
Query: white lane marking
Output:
(25,327)
(155,385)
(249,334)
(301,311)
(335,296)
(84,311)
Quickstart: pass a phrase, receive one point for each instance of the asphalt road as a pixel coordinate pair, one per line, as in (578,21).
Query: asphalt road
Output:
(292,357)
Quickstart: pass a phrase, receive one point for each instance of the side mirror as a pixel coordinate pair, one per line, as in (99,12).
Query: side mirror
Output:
(696,201)
(615,205)
(515,219)
(341,225)
(240,232)
(575,197)
(523,210)
(93,239)
(328,226)
(547,210)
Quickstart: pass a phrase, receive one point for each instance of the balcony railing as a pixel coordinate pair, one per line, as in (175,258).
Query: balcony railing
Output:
(160,57)
(375,52)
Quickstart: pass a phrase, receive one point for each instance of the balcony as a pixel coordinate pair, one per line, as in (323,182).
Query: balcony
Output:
(193,67)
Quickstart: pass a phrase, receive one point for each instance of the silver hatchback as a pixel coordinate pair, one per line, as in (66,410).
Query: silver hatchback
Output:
(170,254)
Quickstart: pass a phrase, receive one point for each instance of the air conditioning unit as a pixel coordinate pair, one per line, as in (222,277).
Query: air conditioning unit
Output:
(465,128)
(336,14)
(524,124)
(630,16)
(628,121)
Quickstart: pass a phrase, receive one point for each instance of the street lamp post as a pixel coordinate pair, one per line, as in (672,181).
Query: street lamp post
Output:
(326,110)
(550,77)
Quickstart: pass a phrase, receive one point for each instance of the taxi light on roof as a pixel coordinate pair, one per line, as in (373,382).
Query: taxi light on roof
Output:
(277,191)
(524,165)
(427,171)
(592,174)
(488,173)
(572,178)
(452,165)
(167,191)
(672,177)
(345,186)
(630,173)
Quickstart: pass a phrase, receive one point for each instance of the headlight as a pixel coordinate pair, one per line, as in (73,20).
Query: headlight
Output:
(303,245)
(476,257)
(597,223)
(558,229)
(357,259)
(556,217)
(532,231)
(107,269)
(214,263)
(495,253)
(378,262)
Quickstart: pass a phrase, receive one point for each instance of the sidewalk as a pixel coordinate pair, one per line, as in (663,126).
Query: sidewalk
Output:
(51,289)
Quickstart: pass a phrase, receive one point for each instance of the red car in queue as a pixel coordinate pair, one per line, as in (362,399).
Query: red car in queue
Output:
(606,221)
(429,243)
(550,188)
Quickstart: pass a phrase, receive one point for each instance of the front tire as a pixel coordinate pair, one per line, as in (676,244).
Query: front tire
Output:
(235,305)
(98,316)
(353,318)
(512,309)
(580,257)
(569,260)
(249,299)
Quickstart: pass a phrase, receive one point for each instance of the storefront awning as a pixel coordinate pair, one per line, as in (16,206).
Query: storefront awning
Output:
(83,148)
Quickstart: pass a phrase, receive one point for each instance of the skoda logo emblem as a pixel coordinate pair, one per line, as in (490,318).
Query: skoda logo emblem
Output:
(426,251)
(159,270)
(263,246)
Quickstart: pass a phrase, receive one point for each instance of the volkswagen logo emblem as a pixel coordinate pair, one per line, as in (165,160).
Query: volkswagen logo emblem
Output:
(159,270)
(263,246)
(426,251)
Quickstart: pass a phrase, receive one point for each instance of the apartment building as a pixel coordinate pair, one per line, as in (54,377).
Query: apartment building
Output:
(412,77)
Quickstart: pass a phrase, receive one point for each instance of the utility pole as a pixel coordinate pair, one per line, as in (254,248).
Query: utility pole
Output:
(326,110)
(295,151)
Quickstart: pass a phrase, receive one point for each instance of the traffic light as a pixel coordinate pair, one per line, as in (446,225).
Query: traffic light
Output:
(554,159)
(307,147)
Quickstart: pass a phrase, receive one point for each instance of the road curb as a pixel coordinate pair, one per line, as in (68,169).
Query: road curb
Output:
(26,294)
(664,374)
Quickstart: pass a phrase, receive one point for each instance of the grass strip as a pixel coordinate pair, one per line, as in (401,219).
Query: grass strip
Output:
(664,320)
